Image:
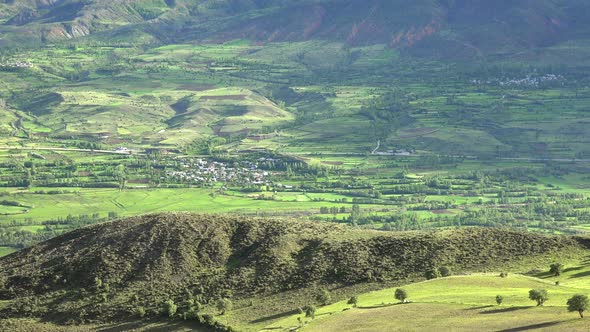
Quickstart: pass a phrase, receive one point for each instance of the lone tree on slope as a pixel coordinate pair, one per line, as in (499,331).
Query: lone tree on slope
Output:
(499,299)
(401,295)
(579,303)
(224,305)
(539,295)
(556,269)
(310,311)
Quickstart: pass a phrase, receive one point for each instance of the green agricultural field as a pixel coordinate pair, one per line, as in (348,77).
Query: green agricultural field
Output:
(45,186)
(12,210)
(133,202)
(174,94)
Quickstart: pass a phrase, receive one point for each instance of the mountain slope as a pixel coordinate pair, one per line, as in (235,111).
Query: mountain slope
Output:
(50,20)
(147,260)
(451,28)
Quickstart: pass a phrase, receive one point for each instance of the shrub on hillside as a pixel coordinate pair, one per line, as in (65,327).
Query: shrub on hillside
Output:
(401,295)
(310,311)
(223,305)
(353,301)
(169,308)
(444,271)
(556,269)
(539,295)
(432,274)
(323,297)
(139,312)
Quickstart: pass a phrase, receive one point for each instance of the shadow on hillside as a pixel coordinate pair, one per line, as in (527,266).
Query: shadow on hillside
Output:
(543,275)
(376,306)
(570,269)
(532,327)
(478,308)
(151,327)
(273,328)
(547,274)
(581,274)
(503,310)
(276,316)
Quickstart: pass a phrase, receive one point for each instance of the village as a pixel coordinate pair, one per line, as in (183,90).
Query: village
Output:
(530,81)
(203,171)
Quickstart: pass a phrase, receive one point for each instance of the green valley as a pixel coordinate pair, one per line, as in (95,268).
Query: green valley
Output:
(341,148)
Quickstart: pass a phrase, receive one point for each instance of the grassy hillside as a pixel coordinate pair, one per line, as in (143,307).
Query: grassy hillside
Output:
(266,267)
(421,317)
(30,324)
(456,303)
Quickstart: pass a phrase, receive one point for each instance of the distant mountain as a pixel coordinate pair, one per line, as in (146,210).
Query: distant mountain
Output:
(66,19)
(445,27)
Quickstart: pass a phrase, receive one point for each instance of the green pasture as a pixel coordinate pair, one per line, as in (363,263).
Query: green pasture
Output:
(11,210)
(457,303)
(450,317)
(573,275)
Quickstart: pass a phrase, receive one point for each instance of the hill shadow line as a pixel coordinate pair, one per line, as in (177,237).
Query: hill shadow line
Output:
(481,307)
(503,310)
(376,306)
(531,327)
(276,316)
(570,269)
(580,275)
